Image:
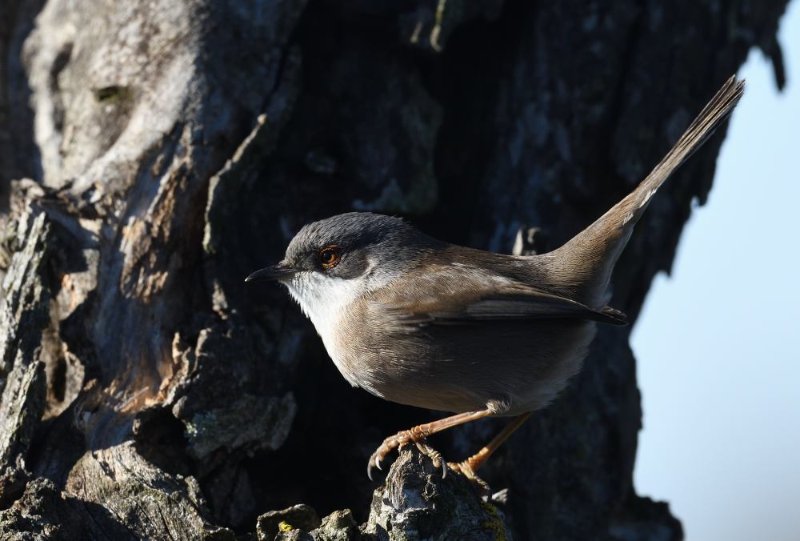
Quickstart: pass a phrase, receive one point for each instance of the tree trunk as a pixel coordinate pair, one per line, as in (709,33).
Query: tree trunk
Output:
(172,147)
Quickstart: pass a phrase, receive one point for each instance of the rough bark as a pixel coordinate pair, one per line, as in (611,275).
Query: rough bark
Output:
(165,149)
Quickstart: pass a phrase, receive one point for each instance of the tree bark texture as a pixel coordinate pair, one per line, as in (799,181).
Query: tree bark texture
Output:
(163,150)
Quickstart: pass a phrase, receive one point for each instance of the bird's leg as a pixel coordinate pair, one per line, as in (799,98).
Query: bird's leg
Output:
(418,434)
(468,466)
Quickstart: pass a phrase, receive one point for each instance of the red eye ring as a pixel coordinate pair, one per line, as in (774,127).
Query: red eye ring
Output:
(330,256)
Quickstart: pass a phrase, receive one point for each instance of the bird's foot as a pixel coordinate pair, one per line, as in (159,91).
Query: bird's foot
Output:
(399,440)
(467,469)
(434,455)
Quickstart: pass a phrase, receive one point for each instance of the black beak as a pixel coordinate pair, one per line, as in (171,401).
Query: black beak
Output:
(275,272)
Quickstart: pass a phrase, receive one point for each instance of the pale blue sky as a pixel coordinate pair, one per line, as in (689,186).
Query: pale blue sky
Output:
(718,343)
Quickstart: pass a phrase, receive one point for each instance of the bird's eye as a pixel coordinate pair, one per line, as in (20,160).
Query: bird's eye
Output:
(329,256)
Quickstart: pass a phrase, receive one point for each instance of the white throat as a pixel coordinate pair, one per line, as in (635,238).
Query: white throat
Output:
(323,300)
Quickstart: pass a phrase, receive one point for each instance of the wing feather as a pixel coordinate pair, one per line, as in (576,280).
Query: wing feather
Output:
(461,294)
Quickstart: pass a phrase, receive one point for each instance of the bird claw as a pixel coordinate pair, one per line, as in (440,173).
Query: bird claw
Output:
(466,469)
(434,455)
(373,463)
(398,441)
(389,444)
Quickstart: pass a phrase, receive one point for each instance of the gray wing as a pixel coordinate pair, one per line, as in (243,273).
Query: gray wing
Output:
(449,295)
(528,304)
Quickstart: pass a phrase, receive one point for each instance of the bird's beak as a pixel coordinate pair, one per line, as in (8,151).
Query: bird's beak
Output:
(279,272)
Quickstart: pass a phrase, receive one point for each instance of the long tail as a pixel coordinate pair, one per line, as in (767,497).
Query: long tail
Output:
(584,264)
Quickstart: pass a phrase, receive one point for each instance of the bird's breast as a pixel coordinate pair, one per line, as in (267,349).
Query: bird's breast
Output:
(326,301)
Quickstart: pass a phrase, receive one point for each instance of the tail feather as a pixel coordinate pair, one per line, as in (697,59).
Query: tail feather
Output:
(584,264)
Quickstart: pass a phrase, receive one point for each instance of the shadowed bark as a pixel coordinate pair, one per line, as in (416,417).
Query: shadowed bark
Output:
(153,154)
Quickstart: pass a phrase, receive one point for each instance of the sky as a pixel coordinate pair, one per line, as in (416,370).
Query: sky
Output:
(718,342)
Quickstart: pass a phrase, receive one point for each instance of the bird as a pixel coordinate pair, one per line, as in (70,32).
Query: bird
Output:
(422,322)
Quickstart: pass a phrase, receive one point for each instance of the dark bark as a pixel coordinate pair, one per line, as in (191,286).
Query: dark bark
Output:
(176,146)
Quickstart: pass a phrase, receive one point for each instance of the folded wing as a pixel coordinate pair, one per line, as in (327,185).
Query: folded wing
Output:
(462,295)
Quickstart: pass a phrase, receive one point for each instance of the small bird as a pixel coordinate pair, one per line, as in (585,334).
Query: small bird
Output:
(422,322)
